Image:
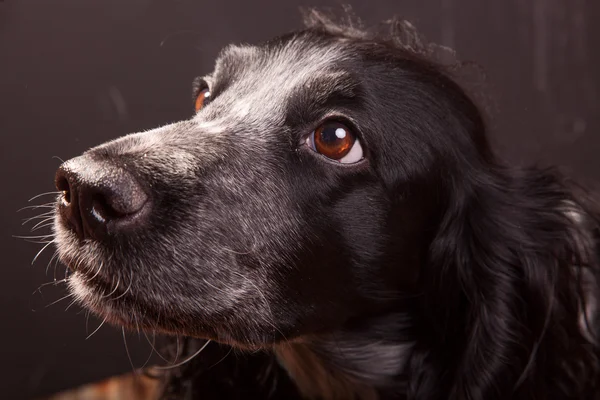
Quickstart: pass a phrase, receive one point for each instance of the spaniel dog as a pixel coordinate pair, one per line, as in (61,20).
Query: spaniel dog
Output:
(331,223)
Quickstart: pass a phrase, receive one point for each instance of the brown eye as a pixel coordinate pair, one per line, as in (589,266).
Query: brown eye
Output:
(336,141)
(202,99)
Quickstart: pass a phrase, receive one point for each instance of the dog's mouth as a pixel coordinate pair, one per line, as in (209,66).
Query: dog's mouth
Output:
(130,300)
(92,280)
(107,295)
(114,301)
(110,289)
(104,300)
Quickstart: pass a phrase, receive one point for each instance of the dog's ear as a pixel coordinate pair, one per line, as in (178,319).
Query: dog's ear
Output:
(502,294)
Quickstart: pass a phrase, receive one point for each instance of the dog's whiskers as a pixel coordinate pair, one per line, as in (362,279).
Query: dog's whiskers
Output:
(149,355)
(224,357)
(43,215)
(40,252)
(50,262)
(46,225)
(55,267)
(70,304)
(36,241)
(114,290)
(47,205)
(190,358)
(177,349)
(126,290)
(154,348)
(127,349)
(54,283)
(87,320)
(95,330)
(43,194)
(43,223)
(34,237)
(97,272)
(59,300)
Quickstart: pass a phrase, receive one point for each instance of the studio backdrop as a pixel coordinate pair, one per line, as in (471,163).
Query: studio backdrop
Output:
(75,73)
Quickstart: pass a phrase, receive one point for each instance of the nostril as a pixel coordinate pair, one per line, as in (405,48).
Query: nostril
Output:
(68,205)
(103,207)
(62,184)
(120,196)
(113,206)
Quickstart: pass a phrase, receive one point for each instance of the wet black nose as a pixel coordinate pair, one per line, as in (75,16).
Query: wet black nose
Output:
(99,199)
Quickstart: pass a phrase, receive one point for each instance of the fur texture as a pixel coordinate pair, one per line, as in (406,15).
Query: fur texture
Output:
(428,270)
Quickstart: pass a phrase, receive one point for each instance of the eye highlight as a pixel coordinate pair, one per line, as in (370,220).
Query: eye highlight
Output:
(202,99)
(337,142)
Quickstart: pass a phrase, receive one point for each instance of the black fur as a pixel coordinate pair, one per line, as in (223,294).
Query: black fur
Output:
(429,270)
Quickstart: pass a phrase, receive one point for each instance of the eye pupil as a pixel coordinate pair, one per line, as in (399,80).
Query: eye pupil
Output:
(333,140)
(332,134)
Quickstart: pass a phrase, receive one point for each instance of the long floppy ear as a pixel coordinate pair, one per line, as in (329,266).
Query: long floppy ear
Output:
(504,293)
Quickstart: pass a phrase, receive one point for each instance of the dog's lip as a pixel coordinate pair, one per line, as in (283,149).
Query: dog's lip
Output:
(99,282)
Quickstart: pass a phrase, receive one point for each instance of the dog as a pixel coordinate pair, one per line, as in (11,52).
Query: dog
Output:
(333,213)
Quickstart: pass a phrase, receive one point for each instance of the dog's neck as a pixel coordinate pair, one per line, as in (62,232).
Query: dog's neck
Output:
(347,364)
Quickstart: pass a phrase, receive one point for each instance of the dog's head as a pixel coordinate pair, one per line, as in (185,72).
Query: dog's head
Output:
(302,193)
(334,178)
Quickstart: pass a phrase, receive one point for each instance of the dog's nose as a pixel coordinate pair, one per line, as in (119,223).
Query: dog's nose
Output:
(98,199)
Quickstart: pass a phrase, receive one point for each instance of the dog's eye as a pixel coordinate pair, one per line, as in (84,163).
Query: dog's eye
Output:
(202,99)
(336,141)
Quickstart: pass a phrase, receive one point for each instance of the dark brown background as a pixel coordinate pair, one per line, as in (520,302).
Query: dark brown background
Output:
(76,73)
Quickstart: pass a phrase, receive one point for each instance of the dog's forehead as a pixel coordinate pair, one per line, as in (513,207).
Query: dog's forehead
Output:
(291,60)
(262,78)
